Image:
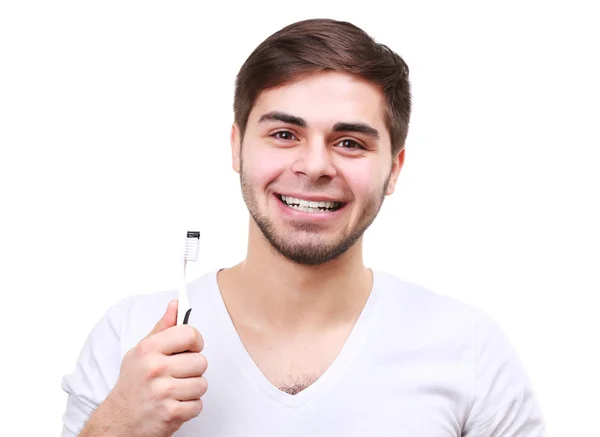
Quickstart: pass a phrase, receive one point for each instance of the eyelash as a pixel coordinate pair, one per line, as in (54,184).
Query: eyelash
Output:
(356,143)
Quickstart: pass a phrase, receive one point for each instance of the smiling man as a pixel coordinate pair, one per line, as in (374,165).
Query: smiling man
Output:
(301,338)
(316,163)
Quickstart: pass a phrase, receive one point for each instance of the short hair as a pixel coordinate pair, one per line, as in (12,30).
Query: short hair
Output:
(317,45)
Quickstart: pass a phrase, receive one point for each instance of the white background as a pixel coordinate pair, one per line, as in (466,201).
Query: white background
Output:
(114,127)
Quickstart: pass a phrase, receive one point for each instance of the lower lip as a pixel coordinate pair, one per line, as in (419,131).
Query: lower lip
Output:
(302,215)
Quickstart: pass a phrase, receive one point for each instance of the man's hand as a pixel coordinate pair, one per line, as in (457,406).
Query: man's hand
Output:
(160,383)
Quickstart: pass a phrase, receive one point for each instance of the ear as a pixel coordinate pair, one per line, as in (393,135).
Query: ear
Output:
(236,147)
(397,163)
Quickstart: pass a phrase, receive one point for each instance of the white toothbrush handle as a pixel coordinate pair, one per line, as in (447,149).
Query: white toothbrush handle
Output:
(184,308)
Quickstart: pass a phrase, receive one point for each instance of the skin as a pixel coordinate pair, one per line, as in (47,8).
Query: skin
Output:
(303,277)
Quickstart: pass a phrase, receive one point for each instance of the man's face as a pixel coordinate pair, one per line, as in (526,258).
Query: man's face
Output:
(316,164)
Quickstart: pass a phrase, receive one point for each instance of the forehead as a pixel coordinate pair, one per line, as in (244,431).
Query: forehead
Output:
(324,99)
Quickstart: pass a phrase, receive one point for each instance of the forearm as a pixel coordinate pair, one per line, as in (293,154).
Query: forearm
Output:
(112,419)
(106,421)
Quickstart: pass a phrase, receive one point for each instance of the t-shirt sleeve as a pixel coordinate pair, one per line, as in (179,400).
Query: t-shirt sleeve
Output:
(504,402)
(96,371)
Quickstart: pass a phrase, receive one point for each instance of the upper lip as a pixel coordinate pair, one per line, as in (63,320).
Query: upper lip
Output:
(312,197)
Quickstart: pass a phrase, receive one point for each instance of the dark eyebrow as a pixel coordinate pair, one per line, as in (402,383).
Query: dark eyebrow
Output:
(338,127)
(357,127)
(282,116)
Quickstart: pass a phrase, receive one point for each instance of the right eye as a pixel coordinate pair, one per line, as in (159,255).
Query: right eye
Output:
(284,135)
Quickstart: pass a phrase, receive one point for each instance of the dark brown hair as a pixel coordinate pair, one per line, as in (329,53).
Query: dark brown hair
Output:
(315,45)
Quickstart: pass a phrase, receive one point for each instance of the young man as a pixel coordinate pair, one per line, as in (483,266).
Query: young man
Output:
(300,338)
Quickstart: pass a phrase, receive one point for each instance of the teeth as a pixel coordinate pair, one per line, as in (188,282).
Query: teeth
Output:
(309,205)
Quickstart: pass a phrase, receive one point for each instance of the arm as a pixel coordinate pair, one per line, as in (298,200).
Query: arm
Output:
(94,375)
(504,402)
(102,424)
(152,390)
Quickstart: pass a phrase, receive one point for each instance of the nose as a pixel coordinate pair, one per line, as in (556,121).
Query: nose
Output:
(314,160)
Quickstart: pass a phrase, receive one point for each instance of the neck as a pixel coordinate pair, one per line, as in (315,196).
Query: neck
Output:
(276,291)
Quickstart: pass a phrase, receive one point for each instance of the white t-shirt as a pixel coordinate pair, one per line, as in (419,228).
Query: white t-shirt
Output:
(416,364)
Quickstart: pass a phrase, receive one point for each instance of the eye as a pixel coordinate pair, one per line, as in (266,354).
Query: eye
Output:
(283,135)
(350,144)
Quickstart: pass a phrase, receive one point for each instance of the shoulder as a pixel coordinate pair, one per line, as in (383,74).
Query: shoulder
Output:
(502,399)
(414,301)
(443,322)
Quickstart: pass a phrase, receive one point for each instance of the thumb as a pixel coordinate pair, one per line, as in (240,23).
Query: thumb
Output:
(168,319)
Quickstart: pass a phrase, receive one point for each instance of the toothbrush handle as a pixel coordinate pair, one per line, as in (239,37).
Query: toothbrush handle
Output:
(184,308)
(187,316)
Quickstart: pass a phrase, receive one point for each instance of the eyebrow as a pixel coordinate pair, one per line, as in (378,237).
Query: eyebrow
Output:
(362,128)
(282,116)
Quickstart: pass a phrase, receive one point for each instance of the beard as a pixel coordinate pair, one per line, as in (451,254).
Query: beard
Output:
(306,246)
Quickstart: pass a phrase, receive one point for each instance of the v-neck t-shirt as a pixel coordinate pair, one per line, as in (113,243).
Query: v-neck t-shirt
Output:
(415,364)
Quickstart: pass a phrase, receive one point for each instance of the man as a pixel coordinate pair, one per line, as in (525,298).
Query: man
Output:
(300,338)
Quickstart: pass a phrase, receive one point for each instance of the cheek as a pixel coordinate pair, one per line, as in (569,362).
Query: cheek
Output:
(361,178)
(265,166)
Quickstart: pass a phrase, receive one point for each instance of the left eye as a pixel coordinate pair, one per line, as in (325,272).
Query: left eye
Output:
(350,144)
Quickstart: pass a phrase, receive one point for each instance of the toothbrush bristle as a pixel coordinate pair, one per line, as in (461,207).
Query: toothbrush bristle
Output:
(192,246)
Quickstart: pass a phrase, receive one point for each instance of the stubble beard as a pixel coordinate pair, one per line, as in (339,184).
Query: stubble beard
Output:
(310,249)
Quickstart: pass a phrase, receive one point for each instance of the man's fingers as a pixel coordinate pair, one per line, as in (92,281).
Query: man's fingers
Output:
(189,389)
(177,339)
(187,365)
(187,410)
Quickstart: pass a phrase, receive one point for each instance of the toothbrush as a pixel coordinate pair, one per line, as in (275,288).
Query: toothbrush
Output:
(192,247)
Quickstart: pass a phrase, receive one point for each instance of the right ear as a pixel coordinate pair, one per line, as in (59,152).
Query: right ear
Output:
(236,147)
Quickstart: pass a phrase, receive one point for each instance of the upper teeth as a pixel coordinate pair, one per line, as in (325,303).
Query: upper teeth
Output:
(308,203)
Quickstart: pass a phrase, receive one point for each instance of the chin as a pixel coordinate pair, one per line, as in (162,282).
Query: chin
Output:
(307,246)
